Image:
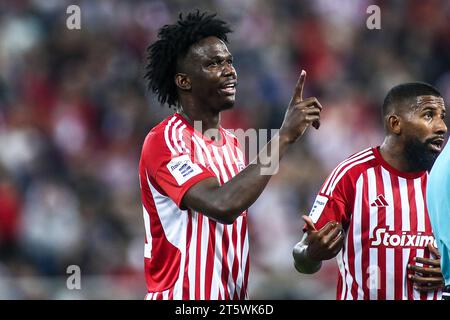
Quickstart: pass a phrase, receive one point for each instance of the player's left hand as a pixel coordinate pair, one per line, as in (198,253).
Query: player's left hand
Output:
(429,276)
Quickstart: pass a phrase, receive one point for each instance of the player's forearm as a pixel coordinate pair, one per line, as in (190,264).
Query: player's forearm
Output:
(241,192)
(302,262)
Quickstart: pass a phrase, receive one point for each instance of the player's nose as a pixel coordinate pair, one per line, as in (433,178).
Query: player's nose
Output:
(441,127)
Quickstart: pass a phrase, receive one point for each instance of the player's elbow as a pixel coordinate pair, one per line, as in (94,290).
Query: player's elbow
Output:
(224,214)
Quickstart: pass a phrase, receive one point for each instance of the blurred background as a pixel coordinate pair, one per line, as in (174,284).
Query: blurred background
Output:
(74,112)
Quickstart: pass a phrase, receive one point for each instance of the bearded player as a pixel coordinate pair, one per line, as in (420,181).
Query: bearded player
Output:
(371,211)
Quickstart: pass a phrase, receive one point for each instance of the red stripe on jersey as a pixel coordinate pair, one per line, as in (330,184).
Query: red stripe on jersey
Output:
(381,223)
(225,268)
(351,261)
(210,262)
(243,267)
(427,253)
(413,223)
(340,287)
(235,267)
(244,290)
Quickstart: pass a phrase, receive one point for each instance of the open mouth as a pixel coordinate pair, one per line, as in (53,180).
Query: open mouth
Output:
(436,144)
(229,88)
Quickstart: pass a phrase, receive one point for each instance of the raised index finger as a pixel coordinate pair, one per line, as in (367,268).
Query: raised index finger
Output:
(298,94)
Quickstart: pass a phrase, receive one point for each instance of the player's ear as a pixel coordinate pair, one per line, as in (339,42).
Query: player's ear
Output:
(183,81)
(393,123)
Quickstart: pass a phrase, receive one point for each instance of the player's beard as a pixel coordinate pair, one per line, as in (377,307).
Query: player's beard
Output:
(419,156)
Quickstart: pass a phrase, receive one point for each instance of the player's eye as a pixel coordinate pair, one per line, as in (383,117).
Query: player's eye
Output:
(428,115)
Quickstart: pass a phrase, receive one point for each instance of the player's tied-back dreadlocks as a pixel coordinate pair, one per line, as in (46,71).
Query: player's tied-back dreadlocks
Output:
(173,43)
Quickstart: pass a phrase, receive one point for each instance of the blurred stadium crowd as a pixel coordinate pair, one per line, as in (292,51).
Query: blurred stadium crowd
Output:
(74,112)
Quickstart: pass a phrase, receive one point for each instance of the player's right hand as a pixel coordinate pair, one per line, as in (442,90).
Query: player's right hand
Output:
(300,113)
(323,244)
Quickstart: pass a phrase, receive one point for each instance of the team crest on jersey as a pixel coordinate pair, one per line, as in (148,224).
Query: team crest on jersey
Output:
(317,208)
(182,169)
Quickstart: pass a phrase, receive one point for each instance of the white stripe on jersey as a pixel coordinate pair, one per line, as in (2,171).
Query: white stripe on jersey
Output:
(420,205)
(245,257)
(405,254)
(180,138)
(192,255)
(174,137)
(148,234)
(403,185)
(357,246)
(240,276)
(420,222)
(217,273)
(372,194)
(203,251)
(406,226)
(419,253)
(341,267)
(166,135)
(198,152)
(171,223)
(230,258)
(348,277)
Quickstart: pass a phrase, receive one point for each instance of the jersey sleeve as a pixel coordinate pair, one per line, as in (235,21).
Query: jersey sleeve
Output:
(173,172)
(333,202)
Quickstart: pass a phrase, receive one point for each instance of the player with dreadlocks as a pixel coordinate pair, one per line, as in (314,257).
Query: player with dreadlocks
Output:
(195,185)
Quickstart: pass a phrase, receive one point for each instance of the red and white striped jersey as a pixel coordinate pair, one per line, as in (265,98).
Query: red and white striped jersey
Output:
(188,255)
(385,216)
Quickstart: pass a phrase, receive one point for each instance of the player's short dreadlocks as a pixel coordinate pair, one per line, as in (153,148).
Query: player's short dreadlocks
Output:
(174,42)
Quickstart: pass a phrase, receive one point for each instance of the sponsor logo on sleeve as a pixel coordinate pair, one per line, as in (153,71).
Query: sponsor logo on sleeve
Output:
(183,169)
(318,207)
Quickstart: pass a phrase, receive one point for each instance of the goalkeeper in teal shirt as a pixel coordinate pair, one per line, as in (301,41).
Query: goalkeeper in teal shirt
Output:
(438,202)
